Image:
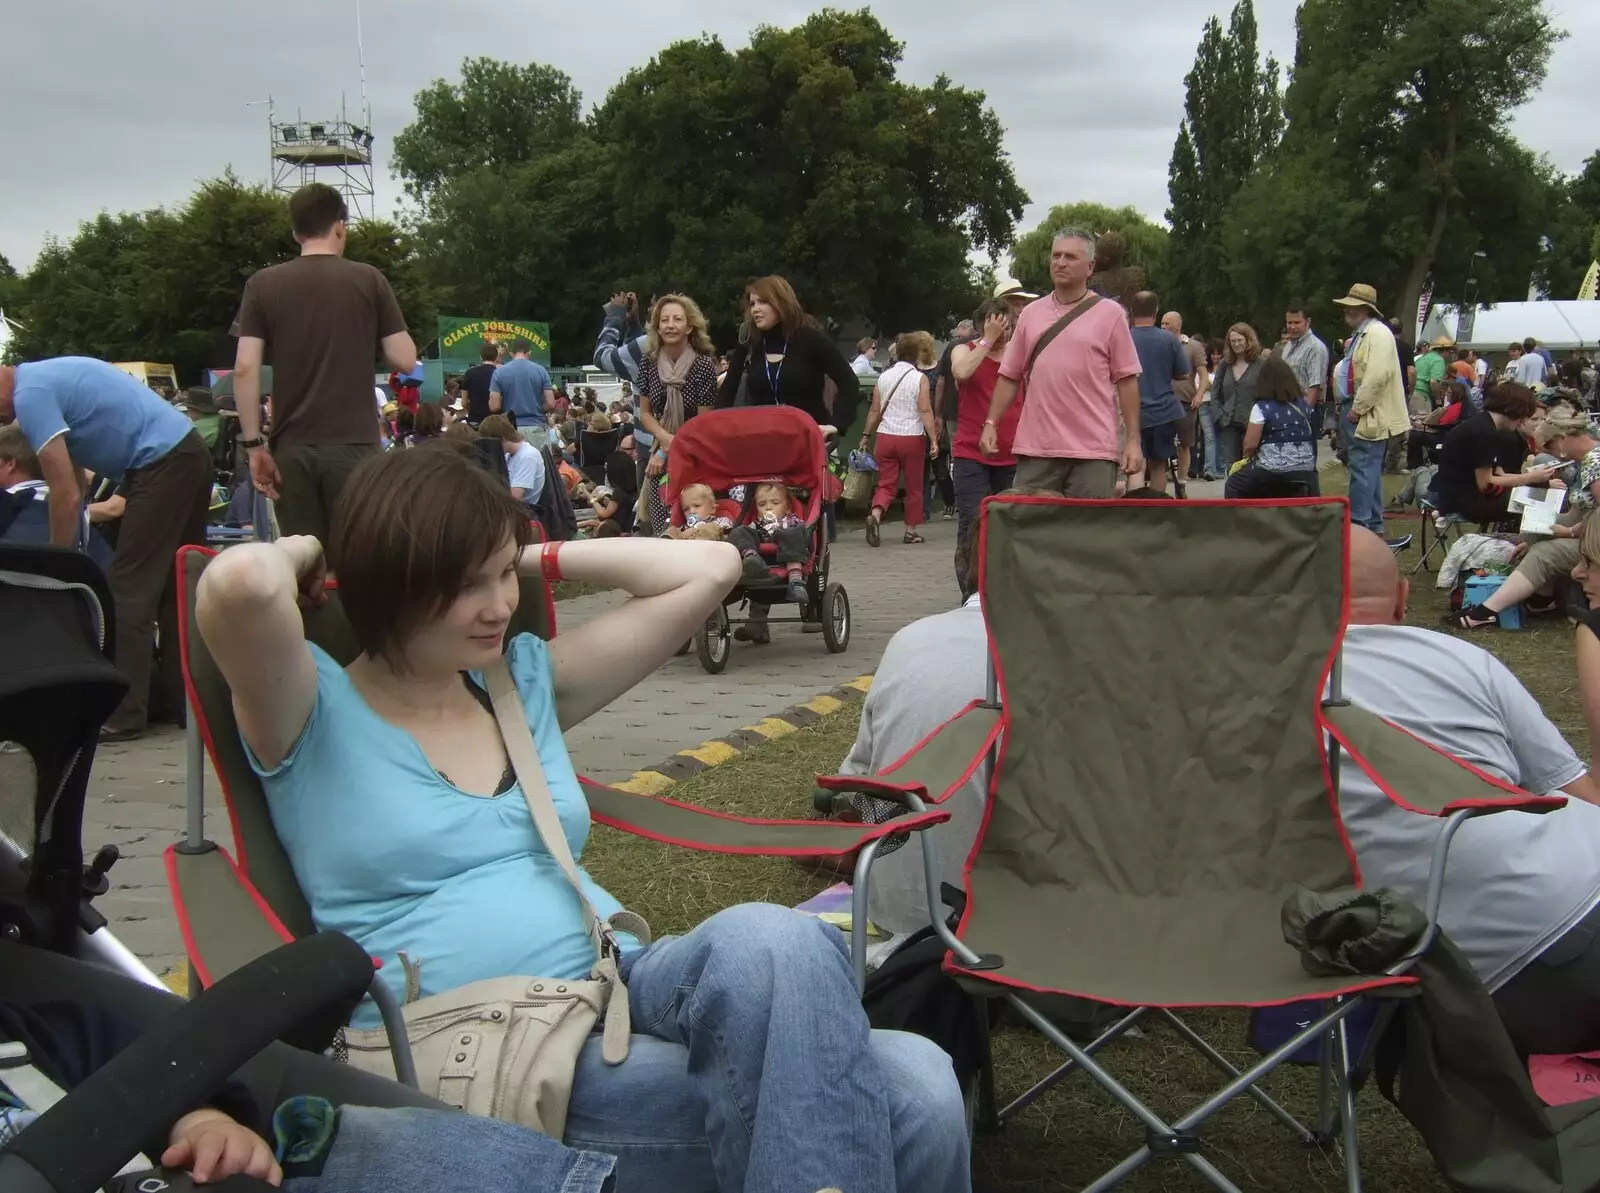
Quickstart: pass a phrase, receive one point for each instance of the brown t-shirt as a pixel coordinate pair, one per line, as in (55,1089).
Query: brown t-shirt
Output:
(1196,353)
(323,319)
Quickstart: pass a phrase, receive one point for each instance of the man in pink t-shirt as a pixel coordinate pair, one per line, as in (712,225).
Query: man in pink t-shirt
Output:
(1068,438)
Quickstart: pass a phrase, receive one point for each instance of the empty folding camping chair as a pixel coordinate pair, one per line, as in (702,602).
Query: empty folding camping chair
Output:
(1138,846)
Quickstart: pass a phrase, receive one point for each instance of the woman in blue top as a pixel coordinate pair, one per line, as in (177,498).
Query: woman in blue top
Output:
(754,1067)
(1280,443)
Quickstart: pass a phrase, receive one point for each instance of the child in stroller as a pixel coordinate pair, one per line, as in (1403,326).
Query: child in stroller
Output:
(776,522)
(700,517)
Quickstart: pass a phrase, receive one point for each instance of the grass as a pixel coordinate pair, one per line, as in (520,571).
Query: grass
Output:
(1074,1133)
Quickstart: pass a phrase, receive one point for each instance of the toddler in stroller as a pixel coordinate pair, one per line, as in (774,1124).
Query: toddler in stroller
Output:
(777,523)
(700,517)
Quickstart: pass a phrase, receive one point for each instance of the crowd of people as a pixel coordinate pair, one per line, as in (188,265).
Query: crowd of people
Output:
(753,1064)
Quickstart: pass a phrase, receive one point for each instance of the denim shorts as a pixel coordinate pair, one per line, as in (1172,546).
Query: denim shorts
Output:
(1159,442)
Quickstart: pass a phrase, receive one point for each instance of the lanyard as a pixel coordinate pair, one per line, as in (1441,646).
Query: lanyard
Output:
(773,374)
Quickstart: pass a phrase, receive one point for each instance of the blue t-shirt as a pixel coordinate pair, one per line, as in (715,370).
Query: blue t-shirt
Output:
(525,470)
(113,422)
(521,383)
(1161,359)
(390,853)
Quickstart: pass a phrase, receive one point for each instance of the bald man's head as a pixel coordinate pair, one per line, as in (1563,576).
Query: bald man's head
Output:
(1377,593)
(1173,322)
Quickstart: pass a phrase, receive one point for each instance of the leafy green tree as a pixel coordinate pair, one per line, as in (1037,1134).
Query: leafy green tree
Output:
(499,114)
(1574,212)
(804,154)
(1232,119)
(1145,244)
(1397,163)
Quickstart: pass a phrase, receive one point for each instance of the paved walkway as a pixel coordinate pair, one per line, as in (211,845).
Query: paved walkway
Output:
(136,798)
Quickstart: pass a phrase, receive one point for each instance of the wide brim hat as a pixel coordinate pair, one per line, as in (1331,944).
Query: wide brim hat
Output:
(1361,295)
(1443,342)
(1011,288)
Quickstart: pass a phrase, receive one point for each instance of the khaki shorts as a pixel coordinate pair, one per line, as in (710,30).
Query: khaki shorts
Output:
(1070,478)
(1186,426)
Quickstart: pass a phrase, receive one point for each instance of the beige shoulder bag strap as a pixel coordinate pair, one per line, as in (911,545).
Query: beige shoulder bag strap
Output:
(518,738)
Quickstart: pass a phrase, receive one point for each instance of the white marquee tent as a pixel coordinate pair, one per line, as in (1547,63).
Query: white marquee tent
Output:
(1559,326)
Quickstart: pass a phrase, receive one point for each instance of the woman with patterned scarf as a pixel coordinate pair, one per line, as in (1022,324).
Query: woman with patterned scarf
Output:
(677,380)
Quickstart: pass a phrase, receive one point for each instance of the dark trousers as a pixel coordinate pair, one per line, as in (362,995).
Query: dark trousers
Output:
(168,502)
(793,541)
(1553,1004)
(1255,483)
(974,480)
(313,477)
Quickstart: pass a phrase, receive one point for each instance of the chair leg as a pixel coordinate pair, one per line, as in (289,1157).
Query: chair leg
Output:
(988,1118)
(1198,1042)
(1055,1078)
(1327,1111)
(1352,1154)
(1422,544)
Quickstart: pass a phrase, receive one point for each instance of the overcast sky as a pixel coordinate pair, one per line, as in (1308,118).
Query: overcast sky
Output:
(107,105)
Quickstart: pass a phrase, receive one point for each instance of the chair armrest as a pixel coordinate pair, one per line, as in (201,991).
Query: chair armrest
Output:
(1419,776)
(692,827)
(225,922)
(936,766)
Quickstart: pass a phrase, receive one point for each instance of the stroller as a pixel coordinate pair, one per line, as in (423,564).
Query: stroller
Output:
(57,686)
(726,449)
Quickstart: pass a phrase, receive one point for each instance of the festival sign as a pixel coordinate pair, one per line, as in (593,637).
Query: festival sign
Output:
(463,339)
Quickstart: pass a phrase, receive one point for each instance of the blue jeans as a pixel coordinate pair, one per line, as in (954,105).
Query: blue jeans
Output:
(1366,482)
(377,1151)
(1230,448)
(752,1067)
(1208,426)
(974,480)
(1346,427)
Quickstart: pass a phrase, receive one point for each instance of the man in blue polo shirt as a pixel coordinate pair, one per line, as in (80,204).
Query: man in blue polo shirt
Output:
(1162,361)
(521,388)
(78,413)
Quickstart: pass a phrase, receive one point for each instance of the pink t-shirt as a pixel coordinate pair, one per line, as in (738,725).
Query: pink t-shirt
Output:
(1071,410)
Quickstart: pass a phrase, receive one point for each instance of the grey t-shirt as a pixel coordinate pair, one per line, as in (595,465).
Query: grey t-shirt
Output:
(931,670)
(1515,881)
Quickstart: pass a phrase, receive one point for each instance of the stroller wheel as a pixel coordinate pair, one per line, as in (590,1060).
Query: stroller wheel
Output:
(713,642)
(835,618)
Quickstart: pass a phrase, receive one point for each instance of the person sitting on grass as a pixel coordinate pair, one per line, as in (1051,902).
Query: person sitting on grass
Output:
(364,1150)
(1280,444)
(605,511)
(1545,562)
(752,1065)
(700,517)
(524,462)
(776,522)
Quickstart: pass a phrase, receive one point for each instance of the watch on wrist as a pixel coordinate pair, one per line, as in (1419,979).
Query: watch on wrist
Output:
(247,444)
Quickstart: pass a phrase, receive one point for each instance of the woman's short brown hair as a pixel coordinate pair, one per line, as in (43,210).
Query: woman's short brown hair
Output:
(411,527)
(498,426)
(777,293)
(1510,400)
(1252,343)
(429,420)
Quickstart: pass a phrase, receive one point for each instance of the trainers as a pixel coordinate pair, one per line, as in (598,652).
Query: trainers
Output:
(949,513)
(797,591)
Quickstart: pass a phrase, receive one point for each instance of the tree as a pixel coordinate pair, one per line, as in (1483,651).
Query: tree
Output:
(1397,162)
(1232,119)
(804,154)
(1144,246)
(499,114)
(1574,213)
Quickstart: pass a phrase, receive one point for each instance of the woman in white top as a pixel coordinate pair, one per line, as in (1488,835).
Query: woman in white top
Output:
(902,417)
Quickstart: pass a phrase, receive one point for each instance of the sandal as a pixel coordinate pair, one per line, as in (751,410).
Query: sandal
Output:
(873,538)
(1473,617)
(913,537)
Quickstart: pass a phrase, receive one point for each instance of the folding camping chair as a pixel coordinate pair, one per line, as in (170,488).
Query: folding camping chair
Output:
(232,911)
(1138,847)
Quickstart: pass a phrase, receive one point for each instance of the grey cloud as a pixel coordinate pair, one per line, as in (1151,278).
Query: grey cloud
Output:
(113,106)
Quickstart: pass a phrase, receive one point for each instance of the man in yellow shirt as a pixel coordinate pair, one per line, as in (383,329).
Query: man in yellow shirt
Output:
(1379,407)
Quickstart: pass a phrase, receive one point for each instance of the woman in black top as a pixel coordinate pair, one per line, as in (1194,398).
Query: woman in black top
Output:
(597,440)
(1474,480)
(789,359)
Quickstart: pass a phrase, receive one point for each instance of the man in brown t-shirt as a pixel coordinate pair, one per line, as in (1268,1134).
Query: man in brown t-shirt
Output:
(321,322)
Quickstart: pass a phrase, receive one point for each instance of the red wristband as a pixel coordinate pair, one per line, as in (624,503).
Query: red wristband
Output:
(550,561)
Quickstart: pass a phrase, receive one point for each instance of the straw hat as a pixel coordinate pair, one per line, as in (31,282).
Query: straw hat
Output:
(1443,342)
(1011,288)
(1361,295)
(1560,421)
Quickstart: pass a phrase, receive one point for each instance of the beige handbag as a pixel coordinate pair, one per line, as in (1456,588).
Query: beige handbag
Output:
(506,1048)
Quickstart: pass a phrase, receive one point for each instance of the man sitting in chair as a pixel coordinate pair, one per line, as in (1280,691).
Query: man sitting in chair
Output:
(1522,900)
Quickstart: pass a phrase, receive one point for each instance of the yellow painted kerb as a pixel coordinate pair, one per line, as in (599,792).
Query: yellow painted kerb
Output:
(712,753)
